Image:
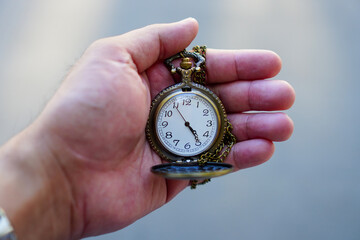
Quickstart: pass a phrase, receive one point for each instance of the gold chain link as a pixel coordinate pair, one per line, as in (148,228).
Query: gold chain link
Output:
(200,76)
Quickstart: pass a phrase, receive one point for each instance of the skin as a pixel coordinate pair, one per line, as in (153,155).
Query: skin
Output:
(82,167)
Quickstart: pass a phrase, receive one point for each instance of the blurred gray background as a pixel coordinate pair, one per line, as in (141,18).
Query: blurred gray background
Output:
(308,190)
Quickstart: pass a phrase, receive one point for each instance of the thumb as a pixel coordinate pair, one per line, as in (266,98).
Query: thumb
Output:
(145,46)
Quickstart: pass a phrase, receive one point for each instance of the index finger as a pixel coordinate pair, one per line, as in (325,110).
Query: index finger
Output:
(232,65)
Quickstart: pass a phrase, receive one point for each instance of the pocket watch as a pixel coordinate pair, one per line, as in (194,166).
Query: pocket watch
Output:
(188,125)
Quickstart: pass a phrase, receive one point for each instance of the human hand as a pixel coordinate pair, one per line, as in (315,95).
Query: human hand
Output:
(93,129)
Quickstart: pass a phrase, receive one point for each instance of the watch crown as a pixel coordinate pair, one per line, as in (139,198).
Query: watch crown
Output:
(186,63)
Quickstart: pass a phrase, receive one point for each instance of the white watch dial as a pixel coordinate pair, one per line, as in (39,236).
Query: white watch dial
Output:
(187,124)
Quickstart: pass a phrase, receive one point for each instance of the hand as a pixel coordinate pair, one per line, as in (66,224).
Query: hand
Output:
(91,134)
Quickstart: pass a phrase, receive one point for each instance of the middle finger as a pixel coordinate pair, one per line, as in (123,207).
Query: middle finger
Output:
(258,95)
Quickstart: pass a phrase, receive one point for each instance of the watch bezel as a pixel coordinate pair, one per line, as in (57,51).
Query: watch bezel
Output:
(159,100)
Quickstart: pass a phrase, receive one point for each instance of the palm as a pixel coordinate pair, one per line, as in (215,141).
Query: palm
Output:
(107,143)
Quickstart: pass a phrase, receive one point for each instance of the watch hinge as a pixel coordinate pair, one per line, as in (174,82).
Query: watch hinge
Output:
(186,160)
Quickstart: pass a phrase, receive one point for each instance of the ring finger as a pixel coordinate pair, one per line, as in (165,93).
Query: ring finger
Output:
(271,126)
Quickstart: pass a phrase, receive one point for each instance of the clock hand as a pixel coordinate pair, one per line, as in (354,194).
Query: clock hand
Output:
(177,108)
(196,137)
(187,124)
(193,132)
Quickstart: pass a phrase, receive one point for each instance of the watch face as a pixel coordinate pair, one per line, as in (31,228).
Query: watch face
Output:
(187,123)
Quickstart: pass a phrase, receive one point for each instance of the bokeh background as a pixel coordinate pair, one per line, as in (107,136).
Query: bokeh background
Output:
(308,190)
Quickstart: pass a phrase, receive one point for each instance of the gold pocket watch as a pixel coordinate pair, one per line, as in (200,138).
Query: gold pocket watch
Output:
(188,126)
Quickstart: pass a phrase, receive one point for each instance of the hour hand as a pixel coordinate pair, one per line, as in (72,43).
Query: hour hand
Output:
(193,131)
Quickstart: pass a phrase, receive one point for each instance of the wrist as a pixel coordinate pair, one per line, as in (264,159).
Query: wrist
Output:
(33,190)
